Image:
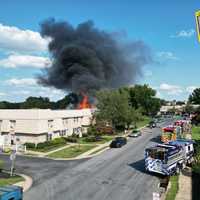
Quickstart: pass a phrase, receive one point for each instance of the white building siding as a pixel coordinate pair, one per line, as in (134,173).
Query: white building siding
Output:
(35,125)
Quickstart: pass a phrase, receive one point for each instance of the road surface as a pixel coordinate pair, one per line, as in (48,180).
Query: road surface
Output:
(117,174)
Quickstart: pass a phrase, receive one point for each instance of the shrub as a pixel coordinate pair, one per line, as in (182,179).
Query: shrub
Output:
(93,139)
(71,139)
(92,130)
(7,150)
(60,140)
(84,135)
(30,145)
(52,143)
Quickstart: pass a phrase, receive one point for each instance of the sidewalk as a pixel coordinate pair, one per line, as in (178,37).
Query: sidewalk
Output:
(185,186)
(43,154)
(26,184)
(185,182)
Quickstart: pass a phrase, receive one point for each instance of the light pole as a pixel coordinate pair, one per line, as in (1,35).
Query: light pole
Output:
(197,16)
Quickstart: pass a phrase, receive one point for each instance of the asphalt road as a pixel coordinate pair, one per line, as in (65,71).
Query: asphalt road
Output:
(116,174)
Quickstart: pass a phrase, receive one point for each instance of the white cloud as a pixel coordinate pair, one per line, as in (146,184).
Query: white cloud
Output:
(14,61)
(184,34)
(167,55)
(191,88)
(46,91)
(171,89)
(26,87)
(2,94)
(21,92)
(148,73)
(22,82)
(15,39)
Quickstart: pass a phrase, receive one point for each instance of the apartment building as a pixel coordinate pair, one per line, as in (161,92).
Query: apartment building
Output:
(39,125)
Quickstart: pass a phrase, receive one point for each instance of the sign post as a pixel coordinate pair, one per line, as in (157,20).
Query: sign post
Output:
(12,158)
(197,16)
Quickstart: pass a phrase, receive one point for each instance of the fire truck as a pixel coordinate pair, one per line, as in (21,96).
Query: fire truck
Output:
(168,134)
(167,159)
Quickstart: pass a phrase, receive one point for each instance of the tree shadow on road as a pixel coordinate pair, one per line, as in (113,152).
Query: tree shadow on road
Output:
(156,139)
(140,166)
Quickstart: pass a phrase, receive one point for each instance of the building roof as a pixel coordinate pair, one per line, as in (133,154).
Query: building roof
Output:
(42,113)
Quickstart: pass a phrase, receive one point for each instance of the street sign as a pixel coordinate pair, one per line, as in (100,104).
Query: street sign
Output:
(197,16)
(12,158)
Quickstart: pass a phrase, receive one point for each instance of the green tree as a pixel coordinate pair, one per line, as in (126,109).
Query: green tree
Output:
(114,107)
(143,97)
(194,98)
(189,108)
(9,105)
(36,102)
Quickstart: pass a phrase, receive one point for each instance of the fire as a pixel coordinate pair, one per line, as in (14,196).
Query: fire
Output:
(84,103)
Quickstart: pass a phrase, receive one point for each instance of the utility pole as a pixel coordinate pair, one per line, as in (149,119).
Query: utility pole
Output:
(197,16)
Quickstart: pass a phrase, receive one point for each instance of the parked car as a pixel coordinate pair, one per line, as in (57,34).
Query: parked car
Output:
(135,133)
(152,124)
(118,142)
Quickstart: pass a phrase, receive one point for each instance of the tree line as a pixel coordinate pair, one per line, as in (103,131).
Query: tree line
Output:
(37,102)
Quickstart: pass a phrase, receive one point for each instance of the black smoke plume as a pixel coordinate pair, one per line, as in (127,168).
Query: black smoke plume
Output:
(86,59)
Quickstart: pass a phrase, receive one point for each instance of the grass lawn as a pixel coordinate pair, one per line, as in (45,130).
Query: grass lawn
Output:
(196,132)
(171,194)
(98,150)
(47,148)
(10,180)
(105,138)
(143,122)
(72,151)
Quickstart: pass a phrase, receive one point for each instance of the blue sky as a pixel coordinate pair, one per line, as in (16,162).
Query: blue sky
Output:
(167,27)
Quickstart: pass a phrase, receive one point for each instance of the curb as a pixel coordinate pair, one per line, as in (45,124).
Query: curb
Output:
(26,185)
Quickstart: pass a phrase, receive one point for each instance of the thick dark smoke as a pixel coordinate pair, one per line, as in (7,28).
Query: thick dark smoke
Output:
(86,59)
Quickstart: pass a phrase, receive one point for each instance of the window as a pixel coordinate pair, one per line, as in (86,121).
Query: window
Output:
(50,124)
(12,124)
(65,122)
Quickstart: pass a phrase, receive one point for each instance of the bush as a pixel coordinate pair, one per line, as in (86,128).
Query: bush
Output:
(7,150)
(42,145)
(72,139)
(92,130)
(93,139)
(84,135)
(30,145)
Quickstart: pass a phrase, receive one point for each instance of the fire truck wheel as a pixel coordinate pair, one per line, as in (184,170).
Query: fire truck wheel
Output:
(183,165)
(178,169)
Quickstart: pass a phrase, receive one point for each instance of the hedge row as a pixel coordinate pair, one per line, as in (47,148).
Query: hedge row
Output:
(42,145)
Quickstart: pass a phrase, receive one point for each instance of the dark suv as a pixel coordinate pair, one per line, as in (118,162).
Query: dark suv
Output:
(118,142)
(152,124)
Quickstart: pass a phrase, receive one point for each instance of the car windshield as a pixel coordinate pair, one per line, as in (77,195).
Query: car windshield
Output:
(156,153)
(119,138)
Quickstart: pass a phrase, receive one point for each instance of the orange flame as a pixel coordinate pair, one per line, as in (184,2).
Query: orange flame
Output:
(84,103)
